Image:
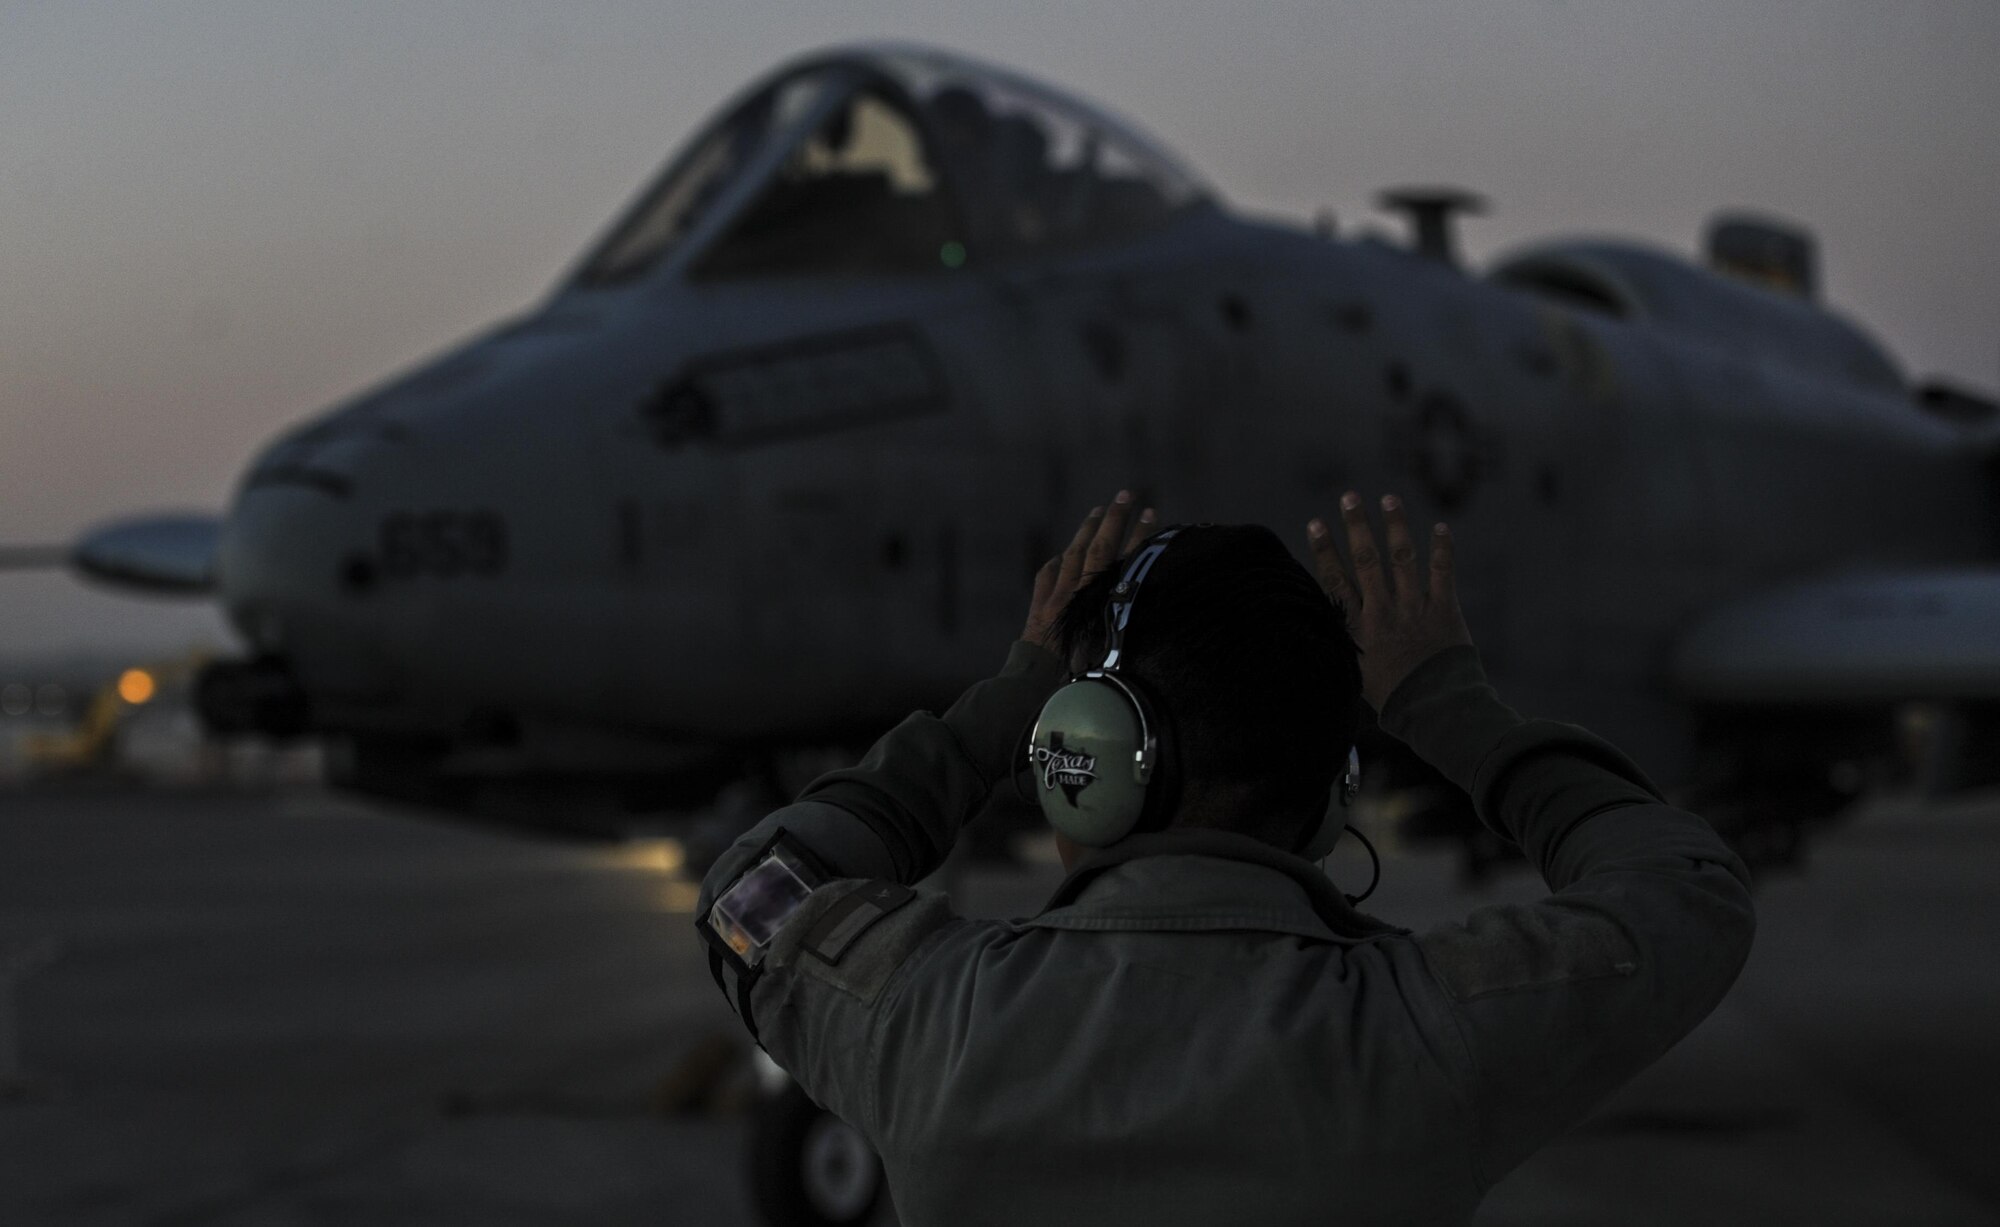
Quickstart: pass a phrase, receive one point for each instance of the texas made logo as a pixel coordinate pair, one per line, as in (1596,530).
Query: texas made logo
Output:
(1071,770)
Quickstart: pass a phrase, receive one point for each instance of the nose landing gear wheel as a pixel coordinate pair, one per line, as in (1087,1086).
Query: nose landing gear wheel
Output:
(809,1168)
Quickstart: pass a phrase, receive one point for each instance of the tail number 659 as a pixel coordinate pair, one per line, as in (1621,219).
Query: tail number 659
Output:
(443,543)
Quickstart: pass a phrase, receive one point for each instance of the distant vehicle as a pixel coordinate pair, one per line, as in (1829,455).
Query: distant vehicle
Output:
(774,463)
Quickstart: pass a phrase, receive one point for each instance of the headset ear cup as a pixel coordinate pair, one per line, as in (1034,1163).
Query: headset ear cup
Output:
(1082,753)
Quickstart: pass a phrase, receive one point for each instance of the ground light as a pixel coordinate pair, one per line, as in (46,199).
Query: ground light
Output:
(136,686)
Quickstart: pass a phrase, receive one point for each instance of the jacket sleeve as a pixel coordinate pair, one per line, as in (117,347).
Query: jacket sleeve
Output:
(872,830)
(1557,1003)
(896,813)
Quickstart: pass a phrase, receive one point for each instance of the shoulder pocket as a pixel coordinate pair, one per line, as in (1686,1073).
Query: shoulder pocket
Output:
(855,913)
(854,935)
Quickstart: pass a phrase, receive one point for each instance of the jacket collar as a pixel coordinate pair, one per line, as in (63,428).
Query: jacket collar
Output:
(1201,880)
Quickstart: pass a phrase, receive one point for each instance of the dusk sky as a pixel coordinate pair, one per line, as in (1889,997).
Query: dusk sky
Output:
(217,217)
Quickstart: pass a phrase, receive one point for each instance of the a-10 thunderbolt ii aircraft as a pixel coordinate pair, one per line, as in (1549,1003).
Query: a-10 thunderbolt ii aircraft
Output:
(774,464)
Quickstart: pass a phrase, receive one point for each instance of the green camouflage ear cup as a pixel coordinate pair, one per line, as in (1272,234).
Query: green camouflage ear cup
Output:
(1089,757)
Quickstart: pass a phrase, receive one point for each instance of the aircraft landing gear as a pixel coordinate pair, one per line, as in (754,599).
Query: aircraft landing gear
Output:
(808,1168)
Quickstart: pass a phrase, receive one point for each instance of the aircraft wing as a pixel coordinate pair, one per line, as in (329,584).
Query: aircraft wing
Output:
(159,553)
(1862,637)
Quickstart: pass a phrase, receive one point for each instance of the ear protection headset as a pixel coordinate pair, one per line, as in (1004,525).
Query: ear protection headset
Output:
(1097,752)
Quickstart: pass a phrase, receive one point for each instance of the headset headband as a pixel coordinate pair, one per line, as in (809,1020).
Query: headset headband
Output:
(1116,614)
(1119,611)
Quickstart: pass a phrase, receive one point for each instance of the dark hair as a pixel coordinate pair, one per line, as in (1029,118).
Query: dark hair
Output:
(1254,671)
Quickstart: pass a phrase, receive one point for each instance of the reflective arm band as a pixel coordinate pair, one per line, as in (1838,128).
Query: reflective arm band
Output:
(749,914)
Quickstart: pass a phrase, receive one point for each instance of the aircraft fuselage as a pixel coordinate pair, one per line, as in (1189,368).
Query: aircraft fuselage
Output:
(783,510)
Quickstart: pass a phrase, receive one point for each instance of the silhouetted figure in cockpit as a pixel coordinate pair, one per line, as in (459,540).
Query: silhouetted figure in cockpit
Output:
(961,121)
(963,129)
(1002,161)
(1020,158)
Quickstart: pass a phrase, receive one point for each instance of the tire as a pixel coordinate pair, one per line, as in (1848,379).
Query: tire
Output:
(809,1168)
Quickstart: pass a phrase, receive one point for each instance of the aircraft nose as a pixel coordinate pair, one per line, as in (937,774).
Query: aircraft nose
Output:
(278,560)
(295,573)
(297,542)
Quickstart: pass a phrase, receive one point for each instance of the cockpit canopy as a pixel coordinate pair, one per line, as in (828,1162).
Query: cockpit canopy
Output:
(893,160)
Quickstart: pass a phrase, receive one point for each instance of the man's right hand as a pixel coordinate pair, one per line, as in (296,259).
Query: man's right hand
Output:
(1399,616)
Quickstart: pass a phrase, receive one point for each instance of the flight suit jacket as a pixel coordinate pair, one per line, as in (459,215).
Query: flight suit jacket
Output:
(1198,1029)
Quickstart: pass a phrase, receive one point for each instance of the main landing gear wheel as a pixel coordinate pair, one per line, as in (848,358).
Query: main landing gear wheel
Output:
(808,1167)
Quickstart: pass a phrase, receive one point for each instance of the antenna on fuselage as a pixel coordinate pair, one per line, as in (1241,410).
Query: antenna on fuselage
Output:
(1431,212)
(1766,251)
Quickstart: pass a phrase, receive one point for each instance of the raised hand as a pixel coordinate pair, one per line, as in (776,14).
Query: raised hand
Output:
(1100,540)
(1400,615)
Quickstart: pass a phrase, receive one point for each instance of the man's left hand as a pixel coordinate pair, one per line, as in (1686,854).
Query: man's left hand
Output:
(1100,541)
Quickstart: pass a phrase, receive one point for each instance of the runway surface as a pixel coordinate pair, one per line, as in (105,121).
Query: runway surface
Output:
(299,1010)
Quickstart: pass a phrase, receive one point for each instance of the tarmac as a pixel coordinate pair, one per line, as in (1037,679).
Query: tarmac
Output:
(298,1009)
